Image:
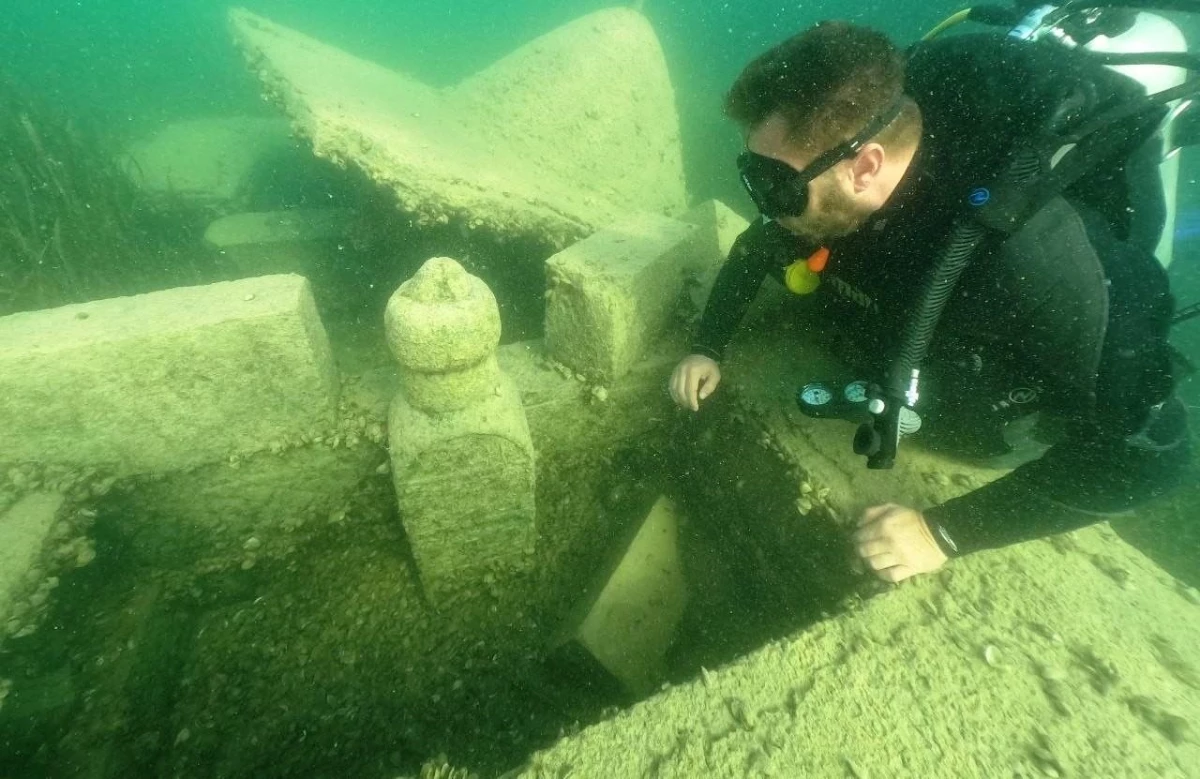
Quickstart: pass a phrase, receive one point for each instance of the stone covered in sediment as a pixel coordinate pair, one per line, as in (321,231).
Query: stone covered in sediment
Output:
(632,617)
(443,326)
(974,671)
(165,380)
(1022,663)
(561,137)
(299,240)
(437,393)
(612,294)
(462,456)
(250,507)
(270,227)
(442,319)
(464,481)
(207,162)
(25,533)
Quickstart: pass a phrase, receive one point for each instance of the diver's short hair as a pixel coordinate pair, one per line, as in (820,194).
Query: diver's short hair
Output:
(827,82)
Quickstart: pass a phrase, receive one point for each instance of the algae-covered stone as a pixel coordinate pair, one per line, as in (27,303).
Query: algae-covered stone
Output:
(612,294)
(565,135)
(462,456)
(719,227)
(25,531)
(165,380)
(267,227)
(442,319)
(443,326)
(464,481)
(903,686)
(207,161)
(266,242)
(442,392)
(632,616)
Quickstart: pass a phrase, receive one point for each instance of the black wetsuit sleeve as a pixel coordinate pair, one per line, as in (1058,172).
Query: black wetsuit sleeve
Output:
(1127,438)
(1078,482)
(761,249)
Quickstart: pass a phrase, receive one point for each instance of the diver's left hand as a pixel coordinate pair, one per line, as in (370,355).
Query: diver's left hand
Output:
(896,543)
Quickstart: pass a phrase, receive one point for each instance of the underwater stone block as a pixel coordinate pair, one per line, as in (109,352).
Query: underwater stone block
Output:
(946,675)
(165,380)
(465,485)
(721,225)
(568,133)
(24,532)
(209,513)
(613,293)
(632,617)
(207,162)
(462,456)
(269,242)
(265,227)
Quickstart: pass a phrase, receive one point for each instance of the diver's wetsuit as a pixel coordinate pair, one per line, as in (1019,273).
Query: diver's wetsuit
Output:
(1068,316)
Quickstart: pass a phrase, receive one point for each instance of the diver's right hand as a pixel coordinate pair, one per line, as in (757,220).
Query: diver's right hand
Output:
(695,378)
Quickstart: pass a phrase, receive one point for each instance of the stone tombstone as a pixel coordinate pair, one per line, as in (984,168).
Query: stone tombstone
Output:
(462,456)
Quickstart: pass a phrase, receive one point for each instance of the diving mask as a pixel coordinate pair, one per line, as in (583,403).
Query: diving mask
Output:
(778,189)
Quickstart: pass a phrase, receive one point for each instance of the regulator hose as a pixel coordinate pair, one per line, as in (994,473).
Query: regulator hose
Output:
(879,438)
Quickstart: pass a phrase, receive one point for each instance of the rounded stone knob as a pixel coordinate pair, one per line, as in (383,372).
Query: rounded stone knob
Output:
(443,326)
(442,319)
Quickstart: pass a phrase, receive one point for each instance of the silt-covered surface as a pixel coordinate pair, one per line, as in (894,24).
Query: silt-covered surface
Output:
(1069,657)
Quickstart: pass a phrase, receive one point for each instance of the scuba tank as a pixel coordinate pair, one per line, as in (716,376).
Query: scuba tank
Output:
(1132,38)
(1123,30)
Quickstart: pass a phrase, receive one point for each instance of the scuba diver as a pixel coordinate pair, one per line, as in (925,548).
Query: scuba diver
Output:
(973,224)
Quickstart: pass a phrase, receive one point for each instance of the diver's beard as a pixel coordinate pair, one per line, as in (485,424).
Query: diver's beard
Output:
(826,227)
(840,217)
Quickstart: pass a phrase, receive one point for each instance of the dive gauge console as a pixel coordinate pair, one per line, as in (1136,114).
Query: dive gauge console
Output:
(822,400)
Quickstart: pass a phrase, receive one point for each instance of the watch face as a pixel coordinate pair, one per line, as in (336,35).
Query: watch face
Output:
(855,392)
(816,394)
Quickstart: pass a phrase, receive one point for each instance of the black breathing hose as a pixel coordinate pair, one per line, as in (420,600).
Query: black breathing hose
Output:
(879,438)
(918,332)
(944,275)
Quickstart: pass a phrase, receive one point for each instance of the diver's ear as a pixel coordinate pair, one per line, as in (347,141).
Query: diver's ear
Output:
(866,166)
